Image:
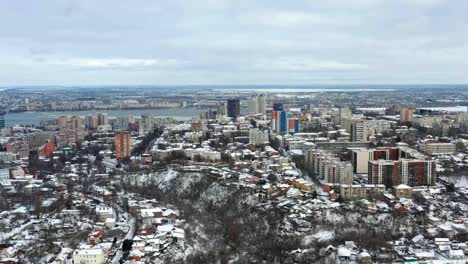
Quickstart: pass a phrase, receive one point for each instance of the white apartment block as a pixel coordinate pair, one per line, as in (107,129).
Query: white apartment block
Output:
(361,191)
(360,160)
(257,104)
(328,167)
(258,137)
(5,177)
(434,149)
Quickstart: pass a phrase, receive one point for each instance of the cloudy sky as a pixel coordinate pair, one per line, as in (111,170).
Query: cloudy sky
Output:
(108,42)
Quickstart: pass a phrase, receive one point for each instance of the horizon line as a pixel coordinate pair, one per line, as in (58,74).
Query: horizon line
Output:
(222,85)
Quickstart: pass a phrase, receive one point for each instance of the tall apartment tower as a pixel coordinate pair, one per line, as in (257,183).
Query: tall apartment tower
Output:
(406,115)
(71,129)
(122,123)
(2,120)
(91,121)
(279,122)
(233,108)
(359,131)
(344,118)
(409,172)
(344,113)
(261,104)
(257,104)
(293,125)
(103,119)
(277,106)
(122,145)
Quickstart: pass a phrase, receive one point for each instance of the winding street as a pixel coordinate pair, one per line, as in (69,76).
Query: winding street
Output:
(130,234)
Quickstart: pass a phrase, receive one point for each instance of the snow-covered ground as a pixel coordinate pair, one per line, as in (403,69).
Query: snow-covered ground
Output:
(14,232)
(458,181)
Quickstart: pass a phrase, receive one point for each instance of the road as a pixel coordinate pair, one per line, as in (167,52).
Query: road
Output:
(131,228)
(130,235)
(310,177)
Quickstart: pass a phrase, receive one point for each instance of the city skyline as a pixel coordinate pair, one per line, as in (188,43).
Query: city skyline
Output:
(134,171)
(222,131)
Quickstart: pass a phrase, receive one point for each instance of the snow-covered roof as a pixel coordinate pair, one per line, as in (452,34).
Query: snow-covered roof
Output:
(344,252)
(92,251)
(165,228)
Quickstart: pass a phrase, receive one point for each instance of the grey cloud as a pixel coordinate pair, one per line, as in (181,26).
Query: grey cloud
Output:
(233,42)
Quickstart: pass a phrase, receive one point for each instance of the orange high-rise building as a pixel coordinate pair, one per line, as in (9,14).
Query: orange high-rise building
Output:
(122,145)
(47,150)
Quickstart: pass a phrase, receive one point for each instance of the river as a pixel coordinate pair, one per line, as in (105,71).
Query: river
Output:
(34,118)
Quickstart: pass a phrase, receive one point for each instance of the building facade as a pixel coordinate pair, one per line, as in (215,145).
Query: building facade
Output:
(5,177)
(434,149)
(406,115)
(258,137)
(279,121)
(233,108)
(293,125)
(410,172)
(358,131)
(257,104)
(89,256)
(122,145)
(71,130)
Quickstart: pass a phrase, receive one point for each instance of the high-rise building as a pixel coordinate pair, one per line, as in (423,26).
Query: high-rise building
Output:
(293,125)
(328,166)
(253,105)
(91,121)
(146,124)
(358,131)
(410,172)
(345,113)
(2,120)
(121,123)
(406,115)
(210,114)
(360,159)
(39,138)
(221,109)
(277,106)
(383,172)
(122,145)
(261,104)
(385,153)
(344,118)
(233,108)
(257,104)
(47,150)
(103,119)
(279,122)
(71,130)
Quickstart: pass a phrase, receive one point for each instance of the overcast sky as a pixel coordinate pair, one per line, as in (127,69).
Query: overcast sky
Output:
(91,42)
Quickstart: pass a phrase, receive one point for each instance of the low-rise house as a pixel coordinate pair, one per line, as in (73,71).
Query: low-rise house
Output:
(104,212)
(89,256)
(96,237)
(403,190)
